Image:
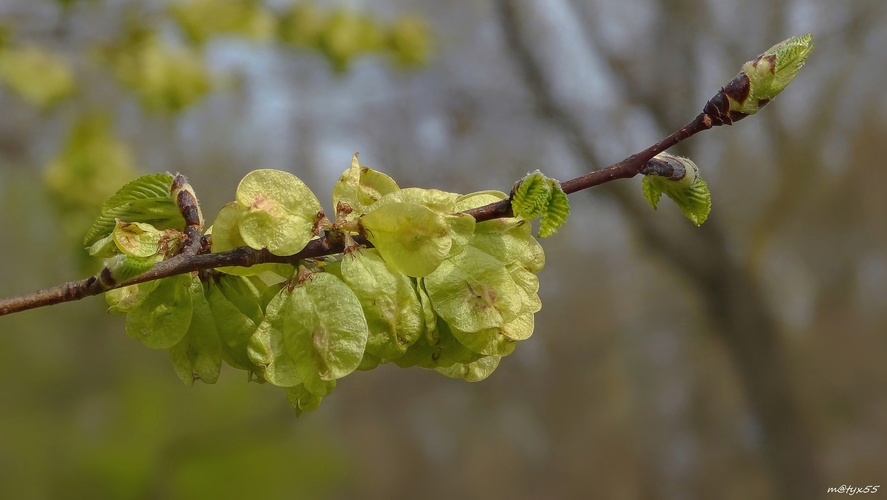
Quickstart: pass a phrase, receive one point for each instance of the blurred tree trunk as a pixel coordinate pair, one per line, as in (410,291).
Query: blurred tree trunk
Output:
(733,300)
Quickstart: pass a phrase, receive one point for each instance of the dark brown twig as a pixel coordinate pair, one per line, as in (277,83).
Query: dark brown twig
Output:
(190,260)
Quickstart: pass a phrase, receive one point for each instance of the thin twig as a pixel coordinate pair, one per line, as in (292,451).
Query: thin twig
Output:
(188,261)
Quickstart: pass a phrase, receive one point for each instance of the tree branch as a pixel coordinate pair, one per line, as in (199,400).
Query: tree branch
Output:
(190,261)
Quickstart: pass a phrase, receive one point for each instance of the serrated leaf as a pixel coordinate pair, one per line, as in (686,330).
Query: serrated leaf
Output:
(281,211)
(198,355)
(556,210)
(162,319)
(693,201)
(413,239)
(652,191)
(771,72)
(146,199)
(531,196)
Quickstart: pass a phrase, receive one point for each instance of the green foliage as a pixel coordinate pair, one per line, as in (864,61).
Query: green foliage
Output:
(201,20)
(146,200)
(438,291)
(92,162)
(771,72)
(537,195)
(689,192)
(36,75)
(166,78)
(343,34)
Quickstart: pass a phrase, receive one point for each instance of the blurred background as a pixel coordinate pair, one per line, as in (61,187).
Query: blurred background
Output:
(743,359)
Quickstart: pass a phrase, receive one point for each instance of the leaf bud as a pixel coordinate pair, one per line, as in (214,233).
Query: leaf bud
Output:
(759,81)
(672,167)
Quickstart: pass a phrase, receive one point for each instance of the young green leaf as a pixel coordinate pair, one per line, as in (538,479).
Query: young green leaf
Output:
(146,199)
(679,179)
(538,195)
(759,81)
(556,210)
(652,191)
(531,196)
(694,201)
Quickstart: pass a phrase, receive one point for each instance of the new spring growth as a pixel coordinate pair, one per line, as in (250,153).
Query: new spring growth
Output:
(679,179)
(759,81)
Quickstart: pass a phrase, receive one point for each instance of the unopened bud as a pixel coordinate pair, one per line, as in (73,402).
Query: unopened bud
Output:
(672,167)
(759,81)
